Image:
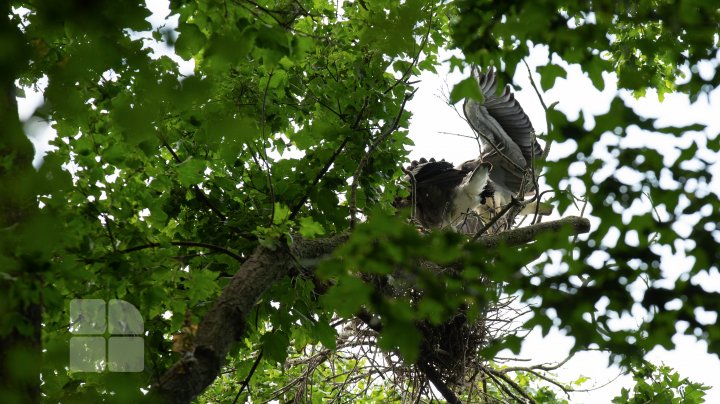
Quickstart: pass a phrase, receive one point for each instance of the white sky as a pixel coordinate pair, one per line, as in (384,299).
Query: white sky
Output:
(574,95)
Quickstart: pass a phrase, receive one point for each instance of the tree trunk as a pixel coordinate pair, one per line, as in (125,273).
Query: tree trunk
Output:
(20,340)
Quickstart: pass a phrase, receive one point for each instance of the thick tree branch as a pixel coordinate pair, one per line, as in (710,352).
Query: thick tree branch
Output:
(225,323)
(437,381)
(524,235)
(20,183)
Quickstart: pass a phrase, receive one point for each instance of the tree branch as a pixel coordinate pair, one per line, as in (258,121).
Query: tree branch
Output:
(263,155)
(548,143)
(494,374)
(225,322)
(296,209)
(198,192)
(361,165)
(213,247)
(497,217)
(524,235)
(246,382)
(436,379)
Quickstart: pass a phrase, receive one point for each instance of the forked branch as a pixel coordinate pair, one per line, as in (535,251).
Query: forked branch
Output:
(225,322)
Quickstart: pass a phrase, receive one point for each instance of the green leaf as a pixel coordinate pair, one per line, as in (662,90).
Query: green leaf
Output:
(309,228)
(467,88)
(232,129)
(595,71)
(549,74)
(301,45)
(432,310)
(191,172)
(404,337)
(116,153)
(278,79)
(282,213)
(325,334)
(134,121)
(275,345)
(401,66)
(201,285)
(190,41)
(347,296)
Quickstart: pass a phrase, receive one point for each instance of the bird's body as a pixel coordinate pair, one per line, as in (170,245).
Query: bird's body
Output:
(442,193)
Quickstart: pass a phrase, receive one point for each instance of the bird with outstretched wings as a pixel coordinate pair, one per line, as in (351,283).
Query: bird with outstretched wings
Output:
(443,194)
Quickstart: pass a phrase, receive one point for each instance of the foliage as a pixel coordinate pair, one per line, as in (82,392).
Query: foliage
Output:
(661,385)
(291,125)
(649,45)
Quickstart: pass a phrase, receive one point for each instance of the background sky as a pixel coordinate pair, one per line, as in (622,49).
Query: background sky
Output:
(433,119)
(434,129)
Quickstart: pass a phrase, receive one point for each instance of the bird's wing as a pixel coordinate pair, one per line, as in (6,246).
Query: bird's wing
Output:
(507,136)
(433,190)
(509,114)
(436,173)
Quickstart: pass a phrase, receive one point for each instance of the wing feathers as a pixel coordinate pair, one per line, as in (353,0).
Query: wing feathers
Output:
(510,115)
(505,127)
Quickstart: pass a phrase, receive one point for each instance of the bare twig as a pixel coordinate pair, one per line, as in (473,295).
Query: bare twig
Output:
(263,154)
(213,247)
(200,194)
(364,160)
(457,134)
(548,144)
(246,382)
(506,380)
(499,383)
(495,218)
(537,370)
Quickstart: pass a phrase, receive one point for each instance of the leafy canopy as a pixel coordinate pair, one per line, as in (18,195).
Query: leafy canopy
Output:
(293,123)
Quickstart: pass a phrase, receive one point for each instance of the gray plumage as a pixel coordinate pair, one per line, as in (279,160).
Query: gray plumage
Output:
(444,194)
(506,136)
